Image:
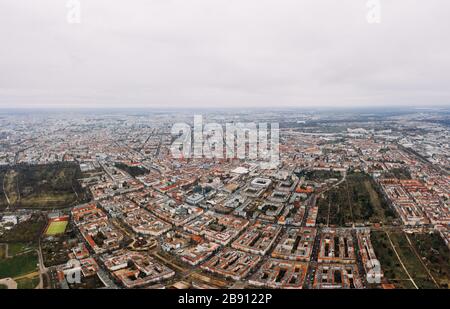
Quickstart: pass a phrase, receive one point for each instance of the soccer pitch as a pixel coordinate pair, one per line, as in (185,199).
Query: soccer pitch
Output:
(56,227)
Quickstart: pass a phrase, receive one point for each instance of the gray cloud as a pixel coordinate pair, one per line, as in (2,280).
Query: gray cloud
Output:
(231,53)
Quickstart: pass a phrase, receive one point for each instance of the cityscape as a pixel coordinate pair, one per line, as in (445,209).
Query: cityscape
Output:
(358,199)
(251,152)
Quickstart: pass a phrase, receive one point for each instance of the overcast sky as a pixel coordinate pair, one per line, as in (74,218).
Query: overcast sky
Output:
(224,53)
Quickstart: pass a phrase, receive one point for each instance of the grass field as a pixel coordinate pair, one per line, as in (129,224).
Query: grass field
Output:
(56,227)
(18,248)
(22,260)
(18,265)
(27,283)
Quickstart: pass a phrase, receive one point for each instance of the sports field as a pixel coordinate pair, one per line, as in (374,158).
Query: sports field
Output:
(56,227)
